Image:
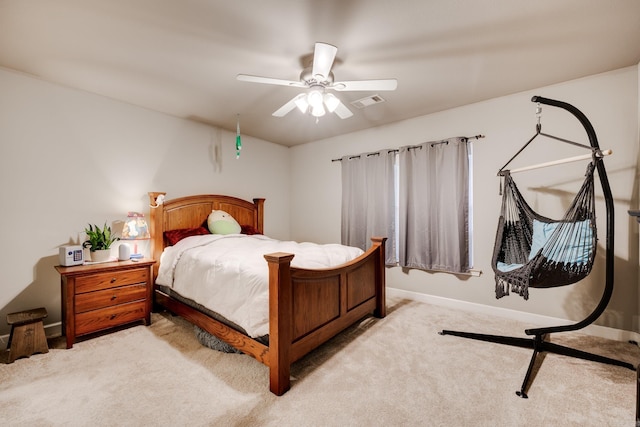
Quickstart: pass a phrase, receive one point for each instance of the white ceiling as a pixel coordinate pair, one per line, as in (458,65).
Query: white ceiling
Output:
(181,57)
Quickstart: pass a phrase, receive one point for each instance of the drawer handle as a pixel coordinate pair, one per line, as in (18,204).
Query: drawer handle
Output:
(113,280)
(113,297)
(113,316)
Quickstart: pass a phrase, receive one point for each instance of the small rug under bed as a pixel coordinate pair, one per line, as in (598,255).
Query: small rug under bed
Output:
(205,338)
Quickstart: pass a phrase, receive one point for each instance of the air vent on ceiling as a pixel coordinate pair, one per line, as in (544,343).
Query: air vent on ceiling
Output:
(367,101)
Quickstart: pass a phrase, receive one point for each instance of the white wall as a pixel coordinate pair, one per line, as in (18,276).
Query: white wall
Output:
(68,158)
(610,101)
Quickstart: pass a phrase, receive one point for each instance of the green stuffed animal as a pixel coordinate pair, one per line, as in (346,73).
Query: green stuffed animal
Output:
(220,222)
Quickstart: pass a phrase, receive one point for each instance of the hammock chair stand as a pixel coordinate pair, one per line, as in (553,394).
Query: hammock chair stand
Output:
(539,341)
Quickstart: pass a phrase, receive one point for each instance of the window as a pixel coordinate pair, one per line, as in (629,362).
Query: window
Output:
(419,197)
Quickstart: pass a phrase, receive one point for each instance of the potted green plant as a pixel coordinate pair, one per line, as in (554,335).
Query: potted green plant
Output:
(99,242)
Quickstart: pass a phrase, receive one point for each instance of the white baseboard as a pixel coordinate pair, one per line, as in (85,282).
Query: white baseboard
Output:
(535,319)
(51,330)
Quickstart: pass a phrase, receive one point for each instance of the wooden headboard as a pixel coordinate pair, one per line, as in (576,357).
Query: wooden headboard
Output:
(193,211)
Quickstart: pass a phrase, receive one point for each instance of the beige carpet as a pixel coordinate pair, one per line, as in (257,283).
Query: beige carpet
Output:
(392,372)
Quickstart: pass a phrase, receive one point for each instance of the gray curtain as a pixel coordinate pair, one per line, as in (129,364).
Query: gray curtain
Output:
(434,206)
(368,200)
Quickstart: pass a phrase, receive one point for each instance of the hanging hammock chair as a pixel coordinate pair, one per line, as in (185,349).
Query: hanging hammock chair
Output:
(534,251)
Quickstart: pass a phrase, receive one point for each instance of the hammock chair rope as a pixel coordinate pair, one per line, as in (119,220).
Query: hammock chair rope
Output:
(534,251)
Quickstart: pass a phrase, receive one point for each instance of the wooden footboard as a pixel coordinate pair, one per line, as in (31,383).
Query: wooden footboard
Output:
(308,307)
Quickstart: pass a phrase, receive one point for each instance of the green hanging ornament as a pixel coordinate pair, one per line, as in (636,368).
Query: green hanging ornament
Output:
(238,138)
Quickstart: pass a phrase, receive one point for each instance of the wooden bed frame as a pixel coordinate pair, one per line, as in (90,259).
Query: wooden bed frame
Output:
(306,307)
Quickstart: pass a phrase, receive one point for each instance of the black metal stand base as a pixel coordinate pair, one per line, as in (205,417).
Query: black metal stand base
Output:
(539,344)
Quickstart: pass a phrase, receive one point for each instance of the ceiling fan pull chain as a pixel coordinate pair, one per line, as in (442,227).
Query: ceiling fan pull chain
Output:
(238,138)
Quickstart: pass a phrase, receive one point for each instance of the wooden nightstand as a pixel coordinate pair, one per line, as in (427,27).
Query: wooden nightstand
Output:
(97,297)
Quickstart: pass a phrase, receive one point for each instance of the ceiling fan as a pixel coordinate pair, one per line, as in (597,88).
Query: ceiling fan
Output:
(318,78)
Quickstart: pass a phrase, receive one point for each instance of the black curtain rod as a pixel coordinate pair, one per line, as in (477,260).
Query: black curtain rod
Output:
(377,153)
(444,141)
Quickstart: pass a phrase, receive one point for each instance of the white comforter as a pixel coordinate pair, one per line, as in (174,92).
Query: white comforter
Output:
(229,275)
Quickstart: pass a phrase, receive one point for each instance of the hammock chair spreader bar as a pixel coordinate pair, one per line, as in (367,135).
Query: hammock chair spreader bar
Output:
(539,336)
(604,153)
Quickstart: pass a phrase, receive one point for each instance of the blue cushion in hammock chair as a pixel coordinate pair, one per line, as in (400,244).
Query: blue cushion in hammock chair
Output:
(578,245)
(578,250)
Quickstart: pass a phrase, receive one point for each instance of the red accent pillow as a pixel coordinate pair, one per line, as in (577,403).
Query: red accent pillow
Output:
(174,236)
(249,229)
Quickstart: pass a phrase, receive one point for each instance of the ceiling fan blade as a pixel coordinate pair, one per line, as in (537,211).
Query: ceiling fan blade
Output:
(371,85)
(342,111)
(288,107)
(323,58)
(269,80)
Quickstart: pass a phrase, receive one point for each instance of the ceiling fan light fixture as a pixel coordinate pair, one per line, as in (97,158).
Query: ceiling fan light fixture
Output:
(317,110)
(315,98)
(331,101)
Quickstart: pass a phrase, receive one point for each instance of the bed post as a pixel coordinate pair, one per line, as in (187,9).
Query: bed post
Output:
(280,321)
(259,214)
(381,307)
(155,229)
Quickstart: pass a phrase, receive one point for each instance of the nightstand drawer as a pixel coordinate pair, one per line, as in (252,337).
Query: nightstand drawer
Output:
(110,297)
(97,320)
(98,281)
